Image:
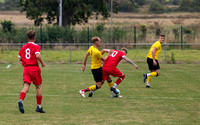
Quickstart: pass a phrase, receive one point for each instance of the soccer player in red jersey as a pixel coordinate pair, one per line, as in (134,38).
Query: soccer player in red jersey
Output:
(110,67)
(29,55)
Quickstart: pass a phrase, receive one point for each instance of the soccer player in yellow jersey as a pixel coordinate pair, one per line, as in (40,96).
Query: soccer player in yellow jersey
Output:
(96,69)
(152,60)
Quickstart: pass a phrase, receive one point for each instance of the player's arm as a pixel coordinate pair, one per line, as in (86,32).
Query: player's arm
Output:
(105,58)
(85,61)
(129,61)
(153,55)
(20,59)
(105,51)
(38,56)
(19,56)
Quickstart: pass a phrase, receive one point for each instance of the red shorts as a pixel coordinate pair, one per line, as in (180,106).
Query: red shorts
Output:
(107,71)
(32,73)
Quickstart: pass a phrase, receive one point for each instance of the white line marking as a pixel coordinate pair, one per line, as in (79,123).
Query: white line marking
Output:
(133,97)
(8,66)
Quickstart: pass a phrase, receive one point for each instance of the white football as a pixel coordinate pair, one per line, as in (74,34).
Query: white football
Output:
(115,95)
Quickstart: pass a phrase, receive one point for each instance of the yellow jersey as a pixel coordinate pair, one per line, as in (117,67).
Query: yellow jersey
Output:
(158,47)
(95,56)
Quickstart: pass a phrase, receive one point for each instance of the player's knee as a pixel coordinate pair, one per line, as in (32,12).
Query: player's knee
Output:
(38,87)
(98,86)
(123,76)
(25,90)
(158,74)
(109,80)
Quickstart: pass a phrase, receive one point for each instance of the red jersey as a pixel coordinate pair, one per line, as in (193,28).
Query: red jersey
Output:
(28,54)
(114,59)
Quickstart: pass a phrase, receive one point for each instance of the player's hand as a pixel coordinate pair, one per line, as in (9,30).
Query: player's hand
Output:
(83,68)
(43,65)
(154,63)
(136,67)
(111,51)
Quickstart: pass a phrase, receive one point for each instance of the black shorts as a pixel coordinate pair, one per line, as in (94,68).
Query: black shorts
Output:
(97,74)
(151,66)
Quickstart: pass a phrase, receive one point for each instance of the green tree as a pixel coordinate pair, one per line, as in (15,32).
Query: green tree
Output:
(74,11)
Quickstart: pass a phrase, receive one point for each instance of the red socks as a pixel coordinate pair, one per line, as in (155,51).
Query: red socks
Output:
(22,96)
(119,80)
(39,100)
(86,90)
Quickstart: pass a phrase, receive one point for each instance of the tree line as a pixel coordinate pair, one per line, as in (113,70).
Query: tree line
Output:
(79,11)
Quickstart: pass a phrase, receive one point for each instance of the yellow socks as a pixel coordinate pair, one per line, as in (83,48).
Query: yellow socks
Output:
(94,87)
(153,74)
(149,79)
(110,84)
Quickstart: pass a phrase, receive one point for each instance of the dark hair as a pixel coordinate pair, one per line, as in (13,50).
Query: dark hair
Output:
(31,34)
(162,35)
(123,48)
(95,39)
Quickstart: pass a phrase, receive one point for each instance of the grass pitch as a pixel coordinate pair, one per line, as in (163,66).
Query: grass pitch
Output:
(138,55)
(173,99)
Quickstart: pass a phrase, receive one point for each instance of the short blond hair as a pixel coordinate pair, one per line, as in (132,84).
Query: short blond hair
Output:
(95,39)
(124,49)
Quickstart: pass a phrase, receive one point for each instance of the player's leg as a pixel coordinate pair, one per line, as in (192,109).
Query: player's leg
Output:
(92,88)
(97,74)
(152,69)
(117,73)
(110,83)
(39,98)
(105,76)
(98,86)
(154,72)
(26,84)
(149,78)
(119,80)
(22,96)
(37,81)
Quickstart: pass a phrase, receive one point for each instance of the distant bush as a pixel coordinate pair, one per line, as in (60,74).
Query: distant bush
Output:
(100,27)
(187,31)
(56,33)
(175,2)
(158,31)
(189,6)
(143,30)
(141,2)
(7,25)
(127,6)
(176,33)
(156,7)
(9,5)
(173,60)
(119,34)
